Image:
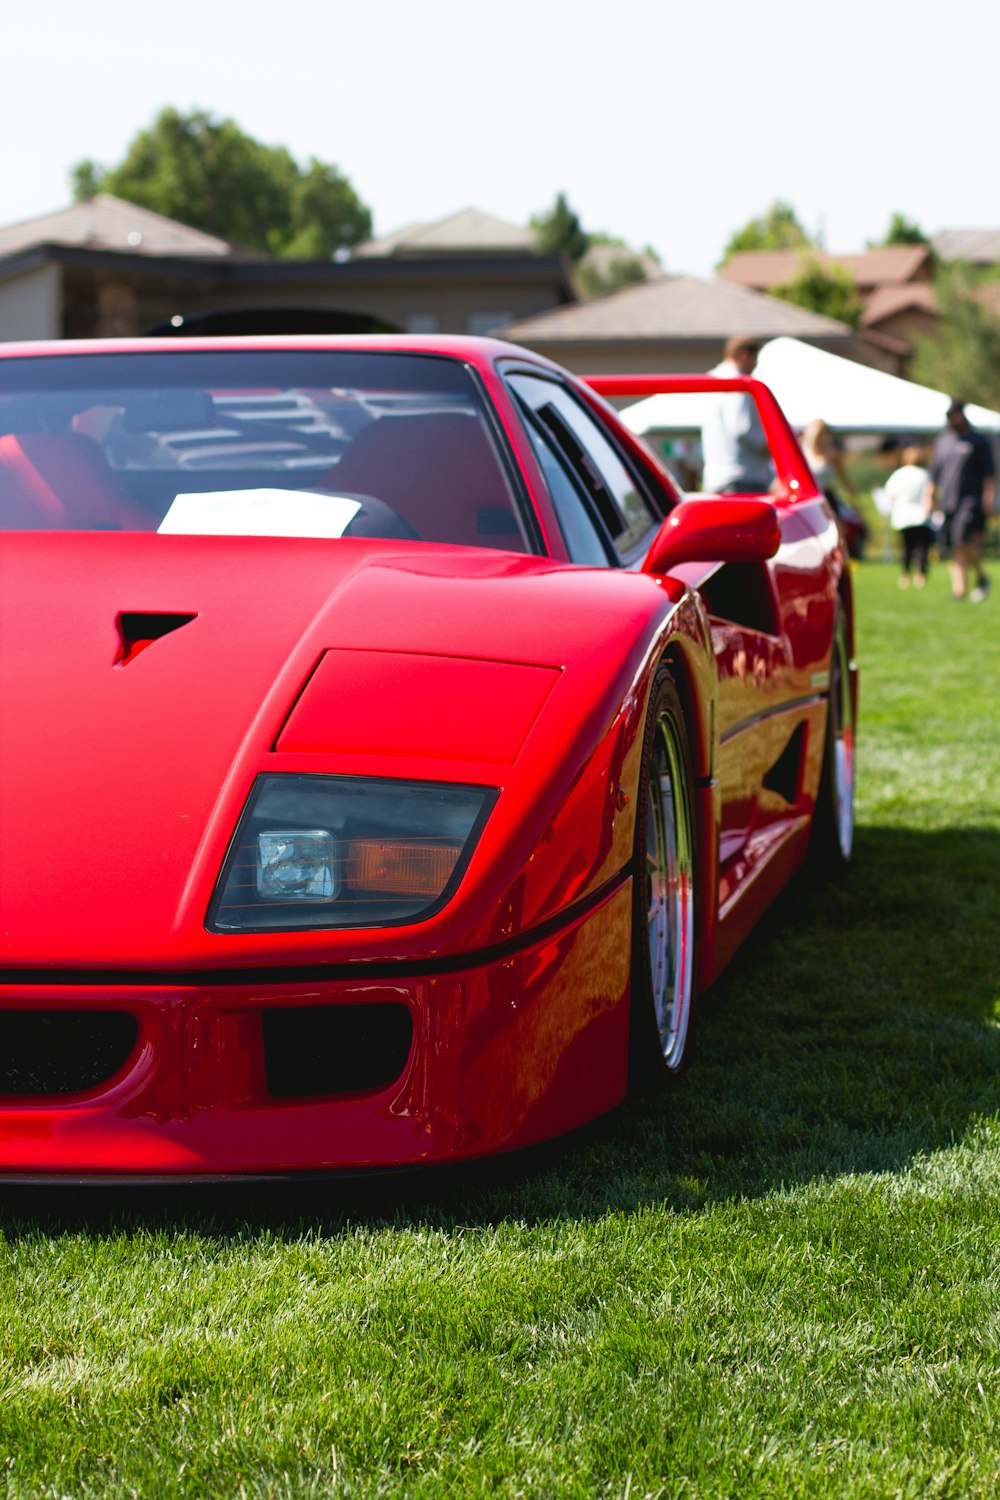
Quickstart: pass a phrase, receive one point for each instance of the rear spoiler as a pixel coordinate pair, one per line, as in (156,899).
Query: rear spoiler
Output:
(790,464)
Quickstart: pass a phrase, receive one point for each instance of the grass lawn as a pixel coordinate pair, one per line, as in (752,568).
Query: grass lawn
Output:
(783,1279)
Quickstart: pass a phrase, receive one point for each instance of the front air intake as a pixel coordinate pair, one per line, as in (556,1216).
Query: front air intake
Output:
(335,1049)
(62,1051)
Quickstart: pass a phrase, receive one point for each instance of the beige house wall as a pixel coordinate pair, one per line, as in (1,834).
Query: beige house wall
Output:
(31,305)
(465,305)
(909,323)
(620,357)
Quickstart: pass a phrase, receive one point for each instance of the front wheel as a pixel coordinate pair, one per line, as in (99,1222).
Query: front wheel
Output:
(663,903)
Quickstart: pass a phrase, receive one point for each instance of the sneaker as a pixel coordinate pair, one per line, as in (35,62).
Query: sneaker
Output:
(980,591)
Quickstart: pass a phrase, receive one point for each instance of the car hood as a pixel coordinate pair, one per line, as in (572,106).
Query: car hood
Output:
(145,681)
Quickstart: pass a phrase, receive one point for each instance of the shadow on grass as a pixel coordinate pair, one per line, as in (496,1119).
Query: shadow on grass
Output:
(855,1030)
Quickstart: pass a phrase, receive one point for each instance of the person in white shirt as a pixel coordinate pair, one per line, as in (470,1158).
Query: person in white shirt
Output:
(735,451)
(908,488)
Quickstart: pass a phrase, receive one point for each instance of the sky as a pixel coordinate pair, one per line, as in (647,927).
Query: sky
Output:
(668,125)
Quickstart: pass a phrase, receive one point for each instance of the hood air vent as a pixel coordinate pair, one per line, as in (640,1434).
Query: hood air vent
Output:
(137,631)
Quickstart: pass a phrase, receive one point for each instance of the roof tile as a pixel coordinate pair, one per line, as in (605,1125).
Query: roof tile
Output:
(763,269)
(677,307)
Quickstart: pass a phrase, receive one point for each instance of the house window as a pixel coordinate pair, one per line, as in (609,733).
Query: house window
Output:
(423,323)
(487,322)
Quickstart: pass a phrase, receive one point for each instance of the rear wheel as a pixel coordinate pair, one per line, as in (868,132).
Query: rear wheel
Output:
(663,925)
(832,839)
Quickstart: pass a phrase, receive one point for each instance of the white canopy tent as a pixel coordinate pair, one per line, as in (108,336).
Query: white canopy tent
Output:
(809,383)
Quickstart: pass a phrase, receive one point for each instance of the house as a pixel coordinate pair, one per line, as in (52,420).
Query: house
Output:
(467,232)
(678,323)
(894,282)
(104,267)
(980,247)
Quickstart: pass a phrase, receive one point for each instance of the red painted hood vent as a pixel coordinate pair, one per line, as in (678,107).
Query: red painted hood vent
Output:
(137,631)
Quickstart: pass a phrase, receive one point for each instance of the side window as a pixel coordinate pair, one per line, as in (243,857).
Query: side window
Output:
(583,539)
(593,458)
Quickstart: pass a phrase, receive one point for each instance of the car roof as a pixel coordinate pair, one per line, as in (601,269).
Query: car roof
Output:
(472,350)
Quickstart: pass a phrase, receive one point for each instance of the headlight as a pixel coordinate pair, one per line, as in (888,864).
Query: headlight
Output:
(345,851)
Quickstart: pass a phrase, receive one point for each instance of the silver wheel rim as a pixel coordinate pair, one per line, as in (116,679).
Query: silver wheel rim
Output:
(843,745)
(670,894)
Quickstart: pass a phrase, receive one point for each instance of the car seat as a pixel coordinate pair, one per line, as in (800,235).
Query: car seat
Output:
(437,471)
(61,481)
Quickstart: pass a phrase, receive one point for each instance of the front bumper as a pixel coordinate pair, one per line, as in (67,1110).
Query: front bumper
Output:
(490,1058)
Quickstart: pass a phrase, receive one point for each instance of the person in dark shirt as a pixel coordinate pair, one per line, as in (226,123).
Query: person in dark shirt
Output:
(964,486)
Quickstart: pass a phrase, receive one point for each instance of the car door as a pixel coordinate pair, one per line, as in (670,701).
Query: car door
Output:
(770,625)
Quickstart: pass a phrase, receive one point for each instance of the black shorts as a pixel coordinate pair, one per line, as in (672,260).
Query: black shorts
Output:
(964,525)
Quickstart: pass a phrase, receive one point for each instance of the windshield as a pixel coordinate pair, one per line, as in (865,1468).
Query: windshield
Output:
(253,443)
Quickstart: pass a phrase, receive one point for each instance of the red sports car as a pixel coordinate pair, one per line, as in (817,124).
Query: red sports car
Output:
(389,755)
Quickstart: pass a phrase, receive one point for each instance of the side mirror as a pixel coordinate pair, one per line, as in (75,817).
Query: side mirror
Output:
(715,530)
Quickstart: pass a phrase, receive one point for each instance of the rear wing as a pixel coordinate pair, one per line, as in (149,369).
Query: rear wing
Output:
(790,466)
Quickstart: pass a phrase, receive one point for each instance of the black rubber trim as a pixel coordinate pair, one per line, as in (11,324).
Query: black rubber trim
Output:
(356,968)
(790,705)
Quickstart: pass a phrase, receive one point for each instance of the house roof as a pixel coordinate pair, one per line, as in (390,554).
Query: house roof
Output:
(768,268)
(886,301)
(678,308)
(107,223)
(466,232)
(981,246)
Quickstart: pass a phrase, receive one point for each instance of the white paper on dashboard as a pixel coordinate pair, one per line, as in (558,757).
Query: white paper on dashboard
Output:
(259,513)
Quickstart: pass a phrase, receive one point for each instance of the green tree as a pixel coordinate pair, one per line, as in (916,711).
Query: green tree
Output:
(559,229)
(207,173)
(777,229)
(326,214)
(826,288)
(901,231)
(624,270)
(86,179)
(963,358)
(610,265)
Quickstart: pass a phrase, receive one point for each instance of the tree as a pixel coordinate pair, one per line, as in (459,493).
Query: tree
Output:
(963,358)
(624,270)
(822,288)
(559,229)
(610,265)
(323,201)
(86,179)
(777,229)
(901,231)
(207,173)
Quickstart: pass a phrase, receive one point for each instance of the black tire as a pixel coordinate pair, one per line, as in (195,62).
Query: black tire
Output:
(664,888)
(831,841)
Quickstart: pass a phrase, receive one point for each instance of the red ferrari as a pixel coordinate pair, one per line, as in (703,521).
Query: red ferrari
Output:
(390,753)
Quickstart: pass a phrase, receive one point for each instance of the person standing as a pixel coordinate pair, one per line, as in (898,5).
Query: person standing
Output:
(826,461)
(908,488)
(737,459)
(962,478)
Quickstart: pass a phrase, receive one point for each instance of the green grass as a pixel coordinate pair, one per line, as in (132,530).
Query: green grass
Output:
(783,1279)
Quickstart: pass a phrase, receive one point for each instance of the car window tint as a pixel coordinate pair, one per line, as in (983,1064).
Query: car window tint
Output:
(262,442)
(583,538)
(592,456)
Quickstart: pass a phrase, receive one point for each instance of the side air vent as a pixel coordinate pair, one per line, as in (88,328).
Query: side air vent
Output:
(742,593)
(137,631)
(783,777)
(335,1049)
(61,1051)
